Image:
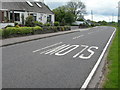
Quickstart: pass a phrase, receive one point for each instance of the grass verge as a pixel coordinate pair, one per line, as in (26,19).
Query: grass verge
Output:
(112,75)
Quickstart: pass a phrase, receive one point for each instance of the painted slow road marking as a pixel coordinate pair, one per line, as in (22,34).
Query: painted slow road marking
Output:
(78,37)
(46,47)
(85,84)
(65,49)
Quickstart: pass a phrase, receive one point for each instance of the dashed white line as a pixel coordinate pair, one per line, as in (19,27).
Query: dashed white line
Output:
(90,32)
(78,37)
(47,47)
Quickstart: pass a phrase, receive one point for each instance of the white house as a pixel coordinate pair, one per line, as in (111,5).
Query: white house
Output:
(11,12)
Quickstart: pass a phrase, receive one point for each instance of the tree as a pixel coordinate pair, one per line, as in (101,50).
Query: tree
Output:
(76,7)
(69,18)
(29,21)
(59,13)
(102,22)
(63,16)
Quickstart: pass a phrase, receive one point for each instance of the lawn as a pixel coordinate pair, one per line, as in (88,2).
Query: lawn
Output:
(112,76)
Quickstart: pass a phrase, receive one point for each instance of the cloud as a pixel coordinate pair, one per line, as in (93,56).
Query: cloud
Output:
(103,8)
(102,17)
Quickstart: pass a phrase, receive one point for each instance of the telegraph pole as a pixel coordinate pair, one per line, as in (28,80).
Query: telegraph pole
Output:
(91,15)
(119,13)
(112,17)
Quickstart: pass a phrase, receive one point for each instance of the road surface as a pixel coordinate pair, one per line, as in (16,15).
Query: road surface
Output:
(63,61)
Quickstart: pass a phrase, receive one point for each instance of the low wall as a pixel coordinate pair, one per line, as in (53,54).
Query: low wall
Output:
(2,25)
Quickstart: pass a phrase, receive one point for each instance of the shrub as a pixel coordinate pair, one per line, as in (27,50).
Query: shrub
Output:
(25,30)
(56,24)
(54,28)
(15,31)
(47,24)
(36,23)
(62,28)
(37,28)
(17,26)
(29,21)
(1,32)
(10,31)
(15,23)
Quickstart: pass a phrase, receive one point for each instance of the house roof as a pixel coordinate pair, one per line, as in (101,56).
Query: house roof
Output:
(25,6)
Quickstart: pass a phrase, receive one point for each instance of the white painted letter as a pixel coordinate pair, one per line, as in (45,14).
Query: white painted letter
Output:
(61,54)
(89,50)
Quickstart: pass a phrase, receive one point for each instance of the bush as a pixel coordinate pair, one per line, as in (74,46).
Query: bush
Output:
(47,24)
(17,26)
(15,23)
(36,23)
(20,31)
(29,21)
(10,31)
(56,24)
(37,28)
(1,32)
(25,30)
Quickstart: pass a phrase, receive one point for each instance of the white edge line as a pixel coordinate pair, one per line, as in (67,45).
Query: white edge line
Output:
(84,86)
(47,47)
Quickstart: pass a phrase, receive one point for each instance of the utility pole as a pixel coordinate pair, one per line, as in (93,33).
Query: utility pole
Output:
(112,17)
(91,15)
(119,13)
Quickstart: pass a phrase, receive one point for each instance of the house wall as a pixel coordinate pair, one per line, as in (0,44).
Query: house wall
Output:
(3,25)
(41,17)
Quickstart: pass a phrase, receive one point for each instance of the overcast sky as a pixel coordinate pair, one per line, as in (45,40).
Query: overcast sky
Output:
(102,9)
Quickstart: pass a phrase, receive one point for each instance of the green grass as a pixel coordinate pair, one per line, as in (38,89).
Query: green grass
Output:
(112,76)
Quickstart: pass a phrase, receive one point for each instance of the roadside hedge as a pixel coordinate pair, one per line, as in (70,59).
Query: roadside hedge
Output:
(1,31)
(23,31)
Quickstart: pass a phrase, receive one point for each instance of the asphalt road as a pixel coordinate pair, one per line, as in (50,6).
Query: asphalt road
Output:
(63,61)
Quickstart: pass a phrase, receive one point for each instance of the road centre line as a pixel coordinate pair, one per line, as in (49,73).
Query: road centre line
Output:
(85,84)
(47,47)
(78,37)
(92,32)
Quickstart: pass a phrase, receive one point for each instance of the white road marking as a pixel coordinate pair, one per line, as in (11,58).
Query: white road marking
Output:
(82,56)
(93,32)
(85,47)
(54,50)
(60,52)
(90,32)
(85,84)
(89,50)
(78,37)
(67,48)
(47,47)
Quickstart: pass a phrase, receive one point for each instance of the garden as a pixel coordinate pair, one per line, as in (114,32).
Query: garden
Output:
(31,27)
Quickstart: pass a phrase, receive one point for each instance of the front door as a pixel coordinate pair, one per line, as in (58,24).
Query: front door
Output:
(2,16)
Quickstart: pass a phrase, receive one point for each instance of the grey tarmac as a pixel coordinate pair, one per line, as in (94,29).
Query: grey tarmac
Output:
(63,61)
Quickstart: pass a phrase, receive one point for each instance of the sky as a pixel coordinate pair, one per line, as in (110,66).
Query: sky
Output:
(102,9)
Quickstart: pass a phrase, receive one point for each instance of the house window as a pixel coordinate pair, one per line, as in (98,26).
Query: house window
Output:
(49,18)
(34,16)
(16,16)
(38,5)
(11,17)
(29,3)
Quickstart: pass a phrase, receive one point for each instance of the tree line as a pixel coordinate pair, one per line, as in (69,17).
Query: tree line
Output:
(70,12)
